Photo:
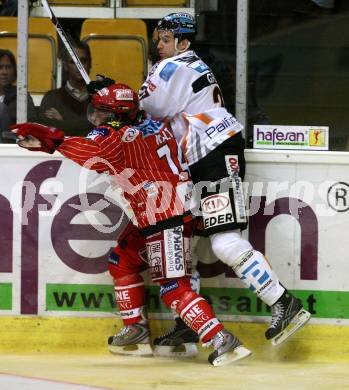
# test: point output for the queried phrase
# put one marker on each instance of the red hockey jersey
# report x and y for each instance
(146, 163)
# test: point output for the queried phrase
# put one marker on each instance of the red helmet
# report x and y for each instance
(117, 98)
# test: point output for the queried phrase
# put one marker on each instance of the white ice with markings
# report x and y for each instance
(14, 382)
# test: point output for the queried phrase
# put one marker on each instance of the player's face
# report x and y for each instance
(7, 72)
(97, 117)
(166, 44)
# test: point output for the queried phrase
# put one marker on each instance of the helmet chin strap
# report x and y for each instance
(179, 51)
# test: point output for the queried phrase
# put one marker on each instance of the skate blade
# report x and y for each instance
(132, 350)
(298, 321)
(186, 350)
(237, 354)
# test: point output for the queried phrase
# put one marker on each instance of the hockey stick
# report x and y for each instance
(9, 136)
(66, 42)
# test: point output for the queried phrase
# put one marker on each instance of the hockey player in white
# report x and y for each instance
(182, 88)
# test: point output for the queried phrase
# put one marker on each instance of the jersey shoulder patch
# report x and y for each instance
(199, 66)
(130, 134)
(168, 70)
(150, 127)
(98, 131)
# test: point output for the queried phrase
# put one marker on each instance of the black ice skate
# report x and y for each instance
(227, 349)
(288, 317)
(179, 342)
(131, 340)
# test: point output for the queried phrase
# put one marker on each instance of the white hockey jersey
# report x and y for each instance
(184, 90)
(199, 134)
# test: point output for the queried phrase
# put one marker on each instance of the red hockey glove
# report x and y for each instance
(36, 137)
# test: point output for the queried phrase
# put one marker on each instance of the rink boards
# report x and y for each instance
(54, 243)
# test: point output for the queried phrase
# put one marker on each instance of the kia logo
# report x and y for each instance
(214, 204)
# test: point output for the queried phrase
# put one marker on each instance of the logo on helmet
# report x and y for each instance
(178, 23)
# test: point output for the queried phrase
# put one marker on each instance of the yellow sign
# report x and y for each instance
(316, 137)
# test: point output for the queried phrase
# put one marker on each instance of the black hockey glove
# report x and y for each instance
(98, 84)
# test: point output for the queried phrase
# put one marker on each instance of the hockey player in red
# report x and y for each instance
(143, 157)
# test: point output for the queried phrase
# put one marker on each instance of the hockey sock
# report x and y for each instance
(194, 285)
(191, 307)
(130, 298)
(197, 313)
(255, 272)
(249, 265)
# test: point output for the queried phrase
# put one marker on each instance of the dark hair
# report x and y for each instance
(12, 58)
(76, 45)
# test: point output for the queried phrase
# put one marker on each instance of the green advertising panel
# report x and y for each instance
(225, 301)
(5, 296)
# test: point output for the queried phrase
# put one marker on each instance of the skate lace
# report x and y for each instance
(169, 332)
(124, 331)
(277, 311)
(216, 341)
